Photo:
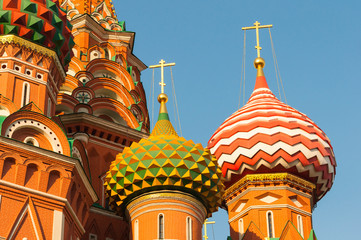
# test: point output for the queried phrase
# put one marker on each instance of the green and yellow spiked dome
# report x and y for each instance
(164, 161)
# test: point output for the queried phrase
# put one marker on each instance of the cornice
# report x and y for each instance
(250, 189)
(110, 126)
(134, 61)
(104, 212)
(268, 178)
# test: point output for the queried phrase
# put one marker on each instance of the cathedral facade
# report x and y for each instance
(78, 159)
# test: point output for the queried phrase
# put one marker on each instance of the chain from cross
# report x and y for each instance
(257, 26)
(161, 65)
(205, 228)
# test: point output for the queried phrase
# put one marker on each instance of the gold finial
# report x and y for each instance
(257, 26)
(205, 228)
(162, 64)
(163, 99)
(259, 65)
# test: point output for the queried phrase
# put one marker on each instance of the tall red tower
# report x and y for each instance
(277, 165)
(70, 100)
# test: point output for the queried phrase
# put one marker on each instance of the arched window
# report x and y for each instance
(26, 94)
(270, 225)
(189, 229)
(300, 224)
(31, 141)
(161, 226)
(136, 230)
(240, 228)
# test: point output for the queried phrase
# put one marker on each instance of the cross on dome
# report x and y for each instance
(161, 65)
(257, 26)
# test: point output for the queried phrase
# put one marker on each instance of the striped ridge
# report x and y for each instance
(268, 136)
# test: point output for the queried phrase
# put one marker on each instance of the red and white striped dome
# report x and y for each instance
(268, 136)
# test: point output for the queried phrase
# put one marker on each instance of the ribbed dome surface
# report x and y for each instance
(40, 21)
(165, 161)
(268, 136)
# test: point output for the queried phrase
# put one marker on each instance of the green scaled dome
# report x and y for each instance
(164, 161)
(40, 21)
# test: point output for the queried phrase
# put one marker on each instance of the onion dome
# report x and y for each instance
(40, 21)
(268, 136)
(164, 161)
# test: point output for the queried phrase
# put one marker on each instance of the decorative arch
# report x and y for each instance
(83, 77)
(59, 169)
(83, 94)
(71, 82)
(102, 66)
(76, 65)
(100, 105)
(137, 112)
(83, 108)
(32, 175)
(62, 109)
(9, 169)
(54, 182)
(114, 86)
(67, 100)
(41, 127)
(6, 106)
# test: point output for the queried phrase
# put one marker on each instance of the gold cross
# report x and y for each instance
(162, 64)
(257, 26)
(205, 228)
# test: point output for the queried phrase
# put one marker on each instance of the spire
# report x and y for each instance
(163, 125)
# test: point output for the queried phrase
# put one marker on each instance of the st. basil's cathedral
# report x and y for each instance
(78, 159)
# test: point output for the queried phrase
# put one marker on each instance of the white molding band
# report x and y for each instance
(269, 207)
(167, 209)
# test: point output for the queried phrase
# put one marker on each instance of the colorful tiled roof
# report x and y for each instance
(268, 136)
(40, 21)
(165, 161)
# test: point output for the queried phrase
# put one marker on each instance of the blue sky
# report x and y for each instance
(318, 47)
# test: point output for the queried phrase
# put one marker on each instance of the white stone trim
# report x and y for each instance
(272, 223)
(25, 94)
(45, 130)
(58, 225)
(300, 225)
(158, 225)
(189, 228)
